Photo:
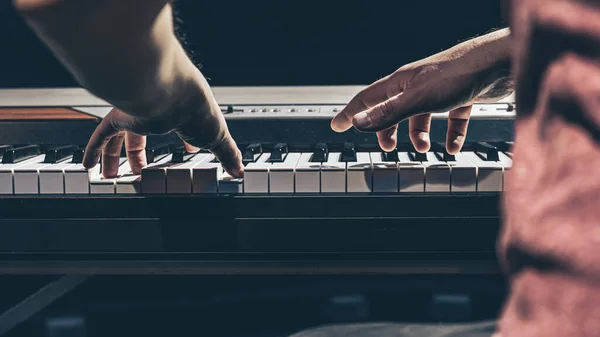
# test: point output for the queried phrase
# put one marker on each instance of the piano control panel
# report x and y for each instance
(316, 111)
(269, 169)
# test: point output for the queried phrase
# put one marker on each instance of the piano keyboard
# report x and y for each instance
(479, 168)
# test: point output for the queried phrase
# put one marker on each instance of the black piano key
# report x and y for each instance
(156, 153)
(320, 153)
(349, 153)
(250, 153)
(488, 151)
(278, 153)
(180, 155)
(390, 156)
(418, 156)
(19, 154)
(440, 150)
(3, 148)
(412, 152)
(78, 156)
(504, 146)
(59, 153)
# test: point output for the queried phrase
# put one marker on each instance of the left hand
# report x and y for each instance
(108, 140)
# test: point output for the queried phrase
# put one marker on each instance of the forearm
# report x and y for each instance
(124, 51)
(485, 61)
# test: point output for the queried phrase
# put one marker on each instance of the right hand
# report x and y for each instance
(199, 122)
(450, 81)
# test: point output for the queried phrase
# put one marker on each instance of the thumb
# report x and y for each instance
(386, 114)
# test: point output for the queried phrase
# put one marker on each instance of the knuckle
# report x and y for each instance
(206, 133)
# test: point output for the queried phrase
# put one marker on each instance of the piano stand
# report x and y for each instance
(38, 301)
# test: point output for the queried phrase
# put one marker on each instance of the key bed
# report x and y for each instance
(282, 170)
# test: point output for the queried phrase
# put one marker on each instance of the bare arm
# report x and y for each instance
(475, 71)
(126, 52)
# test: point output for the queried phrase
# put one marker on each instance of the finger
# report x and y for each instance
(229, 156)
(388, 113)
(552, 29)
(115, 122)
(190, 148)
(419, 127)
(374, 94)
(388, 138)
(111, 156)
(458, 122)
(135, 145)
(209, 131)
(213, 135)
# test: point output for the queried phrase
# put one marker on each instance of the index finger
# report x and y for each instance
(380, 91)
(209, 131)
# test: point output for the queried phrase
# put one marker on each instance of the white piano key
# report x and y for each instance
(507, 162)
(205, 176)
(333, 174)
(26, 178)
(281, 175)
(7, 173)
(489, 173)
(101, 185)
(179, 176)
(359, 174)
(229, 184)
(385, 174)
(308, 175)
(130, 183)
(411, 174)
(437, 174)
(52, 178)
(154, 178)
(464, 174)
(256, 175)
(77, 178)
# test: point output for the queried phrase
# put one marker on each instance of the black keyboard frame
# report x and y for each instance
(405, 233)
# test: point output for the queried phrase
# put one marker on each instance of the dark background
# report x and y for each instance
(330, 42)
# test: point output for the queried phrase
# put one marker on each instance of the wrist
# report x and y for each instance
(175, 85)
(495, 77)
(487, 60)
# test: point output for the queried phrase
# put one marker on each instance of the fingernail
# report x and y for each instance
(424, 136)
(362, 120)
(338, 123)
(459, 140)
